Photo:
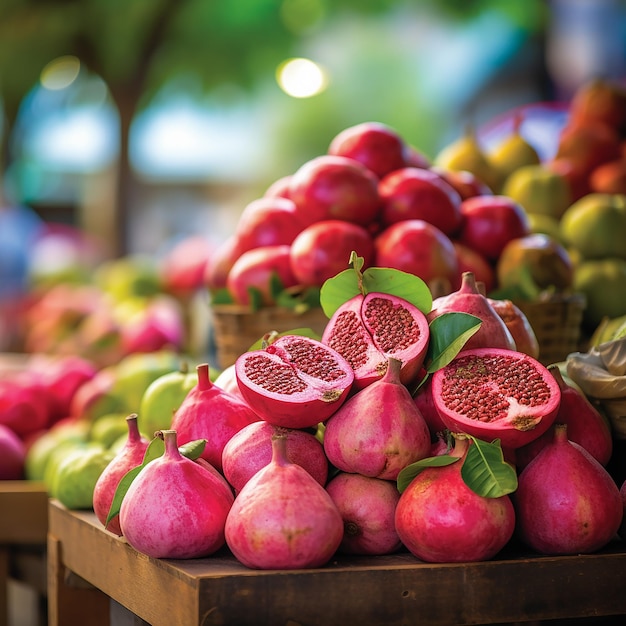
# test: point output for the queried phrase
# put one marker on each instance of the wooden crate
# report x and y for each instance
(23, 534)
(90, 567)
(557, 322)
(237, 328)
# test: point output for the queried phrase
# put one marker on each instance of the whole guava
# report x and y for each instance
(76, 476)
(603, 282)
(595, 225)
(162, 398)
(107, 429)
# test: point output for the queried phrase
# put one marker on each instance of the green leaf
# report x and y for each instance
(276, 286)
(154, 450)
(521, 286)
(401, 284)
(256, 298)
(351, 282)
(337, 290)
(192, 450)
(448, 334)
(299, 300)
(408, 473)
(222, 296)
(486, 472)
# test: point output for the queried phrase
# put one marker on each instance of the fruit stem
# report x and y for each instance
(279, 447)
(171, 444)
(204, 382)
(133, 428)
(392, 375)
(556, 372)
(560, 432)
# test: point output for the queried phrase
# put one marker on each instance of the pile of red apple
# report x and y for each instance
(376, 194)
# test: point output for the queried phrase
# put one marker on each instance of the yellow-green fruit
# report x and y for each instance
(539, 256)
(44, 447)
(162, 397)
(513, 153)
(539, 190)
(545, 225)
(466, 154)
(608, 330)
(135, 372)
(77, 474)
(596, 226)
(60, 453)
(604, 284)
(108, 429)
(128, 276)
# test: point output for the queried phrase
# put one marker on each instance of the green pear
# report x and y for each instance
(76, 476)
(163, 397)
(513, 152)
(466, 154)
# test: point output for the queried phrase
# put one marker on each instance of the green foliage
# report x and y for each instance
(486, 472)
(351, 282)
(484, 469)
(448, 334)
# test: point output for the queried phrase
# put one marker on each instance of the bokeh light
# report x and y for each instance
(301, 78)
(60, 73)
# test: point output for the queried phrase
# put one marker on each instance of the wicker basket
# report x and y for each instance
(557, 324)
(236, 328)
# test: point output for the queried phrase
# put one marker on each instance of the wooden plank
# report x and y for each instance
(72, 605)
(4, 586)
(24, 512)
(145, 586)
(390, 590)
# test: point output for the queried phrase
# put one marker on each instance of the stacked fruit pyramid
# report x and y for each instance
(417, 418)
(530, 230)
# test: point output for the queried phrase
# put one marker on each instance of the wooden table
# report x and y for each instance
(23, 533)
(85, 561)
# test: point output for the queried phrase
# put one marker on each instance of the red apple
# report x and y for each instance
(416, 158)
(323, 249)
(220, 262)
(419, 248)
(183, 267)
(158, 326)
(62, 376)
(279, 188)
(472, 261)
(254, 269)
(377, 146)
(268, 222)
(333, 187)
(412, 193)
(24, 403)
(466, 183)
(490, 222)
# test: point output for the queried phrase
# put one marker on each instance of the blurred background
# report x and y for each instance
(140, 122)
